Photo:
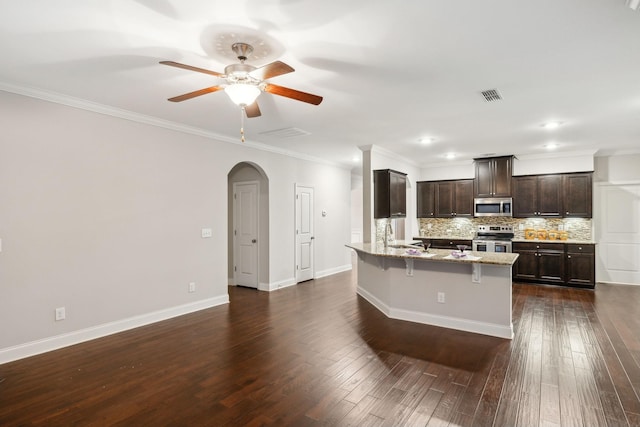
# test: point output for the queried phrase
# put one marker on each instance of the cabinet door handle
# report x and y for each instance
(567, 213)
(568, 256)
(580, 248)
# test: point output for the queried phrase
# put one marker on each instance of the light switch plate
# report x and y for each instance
(206, 233)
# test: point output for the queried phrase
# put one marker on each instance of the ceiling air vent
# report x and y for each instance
(491, 95)
(285, 133)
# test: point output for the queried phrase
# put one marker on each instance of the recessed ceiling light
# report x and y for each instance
(551, 125)
(356, 159)
(450, 155)
(551, 146)
(426, 140)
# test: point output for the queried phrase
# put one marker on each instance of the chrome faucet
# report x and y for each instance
(388, 232)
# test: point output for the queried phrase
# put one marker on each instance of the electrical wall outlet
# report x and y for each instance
(441, 297)
(60, 313)
(206, 233)
(192, 287)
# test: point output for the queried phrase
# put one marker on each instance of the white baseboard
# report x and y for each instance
(277, 285)
(44, 345)
(331, 271)
(617, 283)
(292, 280)
(437, 320)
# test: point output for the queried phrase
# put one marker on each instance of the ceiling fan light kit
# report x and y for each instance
(242, 94)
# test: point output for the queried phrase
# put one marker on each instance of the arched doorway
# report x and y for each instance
(248, 226)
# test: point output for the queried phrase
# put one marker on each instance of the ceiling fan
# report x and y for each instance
(244, 82)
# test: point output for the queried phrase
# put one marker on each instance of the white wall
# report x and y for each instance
(356, 208)
(103, 216)
(617, 218)
(553, 163)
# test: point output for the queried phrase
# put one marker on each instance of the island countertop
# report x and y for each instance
(443, 255)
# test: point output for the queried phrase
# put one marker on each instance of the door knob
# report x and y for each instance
(253, 240)
(312, 237)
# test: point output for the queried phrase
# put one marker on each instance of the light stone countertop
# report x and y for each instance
(442, 255)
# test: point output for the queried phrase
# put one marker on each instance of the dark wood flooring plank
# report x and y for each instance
(319, 355)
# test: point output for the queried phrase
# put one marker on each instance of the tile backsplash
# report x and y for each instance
(465, 228)
(578, 228)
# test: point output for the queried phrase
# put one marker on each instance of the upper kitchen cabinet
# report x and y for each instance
(390, 194)
(454, 198)
(537, 196)
(426, 192)
(577, 195)
(558, 195)
(493, 177)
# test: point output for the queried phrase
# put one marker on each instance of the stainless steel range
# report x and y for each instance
(493, 238)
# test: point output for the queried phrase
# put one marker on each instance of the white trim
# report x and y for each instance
(95, 107)
(332, 271)
(44, 345)
(277, 285)
(436, 320)
(388, 153)
(618, 283)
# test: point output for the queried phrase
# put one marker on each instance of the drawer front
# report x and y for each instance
(449, 244)
(581, 249)
(537, 246)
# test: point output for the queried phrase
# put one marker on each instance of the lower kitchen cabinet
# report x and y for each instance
(540, 262)
(581, 265)
(555, 263)
(449, 243)
(444, 243)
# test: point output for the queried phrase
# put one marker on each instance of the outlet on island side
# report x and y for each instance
(60, 313)
(192, 287)
(441, 297)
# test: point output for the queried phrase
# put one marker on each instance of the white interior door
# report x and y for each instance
(617, 222)
(304, 233)
(245, 230)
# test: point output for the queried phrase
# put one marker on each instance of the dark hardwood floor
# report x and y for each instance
(317, 354)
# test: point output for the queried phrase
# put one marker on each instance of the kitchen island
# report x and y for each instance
(470, 293)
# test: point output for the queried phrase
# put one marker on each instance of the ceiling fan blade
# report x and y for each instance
(252, 110)
(189, 67)
(193, 94)
(273, 69)
(293, 94)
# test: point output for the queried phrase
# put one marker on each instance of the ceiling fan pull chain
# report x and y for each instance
(242, 124)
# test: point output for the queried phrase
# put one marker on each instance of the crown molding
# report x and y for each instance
(377, 149)
(107, 110)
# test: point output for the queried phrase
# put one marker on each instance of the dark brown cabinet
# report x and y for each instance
(390, 194)
(540, 262)
(493, 177)
(426, 192)
(449, 243)
(444, 243)
(537, 196)
(580, 265)
(557, 195)
(577, 195)
(555, 263)
(454, 198)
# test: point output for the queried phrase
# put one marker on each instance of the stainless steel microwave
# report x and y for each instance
(493, 206)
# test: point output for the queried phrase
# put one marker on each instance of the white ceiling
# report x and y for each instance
(390, 72)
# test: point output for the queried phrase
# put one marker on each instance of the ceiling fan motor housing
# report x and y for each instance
(240, 73)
